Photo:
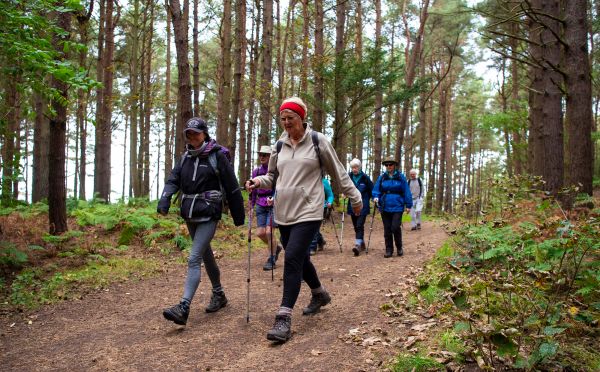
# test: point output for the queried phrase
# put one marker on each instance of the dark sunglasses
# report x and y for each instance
(263, 155)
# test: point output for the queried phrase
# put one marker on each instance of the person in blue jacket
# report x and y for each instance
(392, 195)
(319, 242)
(364, 184)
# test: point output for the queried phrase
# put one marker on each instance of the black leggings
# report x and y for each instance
(392, 231)
(359, 226)
(296, 239)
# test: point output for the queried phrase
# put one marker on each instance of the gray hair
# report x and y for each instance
(414, 171)
(355, 163)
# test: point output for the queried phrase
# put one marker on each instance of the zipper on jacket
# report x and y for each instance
(195, 170)
(193, 201)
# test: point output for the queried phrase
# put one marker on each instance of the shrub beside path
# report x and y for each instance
(122, 328)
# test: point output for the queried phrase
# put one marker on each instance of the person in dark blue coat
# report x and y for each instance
(392, 195)
(364, 184)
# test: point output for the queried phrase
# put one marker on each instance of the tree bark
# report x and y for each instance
(339, 127)
(11, 136)
(264, 137)
(102, 173)
(57, 193)
(378, 119)
(412, 58)
(579, 98)
(224, 87)
(196, 67)
(237, 109)
(168, 134)
(179, 18)
(318, 66)
(549, 151)
(305, 46)
(41, 133)
(254, 61)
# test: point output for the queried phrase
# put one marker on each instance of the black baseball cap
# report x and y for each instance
(196, 125)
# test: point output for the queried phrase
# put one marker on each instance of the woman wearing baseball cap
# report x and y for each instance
(205, 176)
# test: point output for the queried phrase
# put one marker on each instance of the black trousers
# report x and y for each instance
(359, 226)
(296, 239)
(392, 231)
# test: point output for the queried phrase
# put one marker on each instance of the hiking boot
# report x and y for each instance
(269, 265)
(282, 329)
(316, 301)
(400, 252)
(414, 228)
(387, 255)
(277, 251)
(321, 245)
(356, 250)
(418, 226)
(217, 301)
(363, 246)
(178, 314)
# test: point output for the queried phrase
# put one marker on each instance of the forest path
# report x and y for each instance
(122, 328)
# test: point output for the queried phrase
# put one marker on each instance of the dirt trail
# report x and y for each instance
(122, 328)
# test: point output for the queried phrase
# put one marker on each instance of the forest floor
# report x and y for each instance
(122, 328)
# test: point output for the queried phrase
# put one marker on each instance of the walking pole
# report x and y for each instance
(335, 230)
(271, 246)
(249, 251)
(343, 216)
(371, 228)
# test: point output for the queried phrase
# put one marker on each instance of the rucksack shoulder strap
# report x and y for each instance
(314, 135)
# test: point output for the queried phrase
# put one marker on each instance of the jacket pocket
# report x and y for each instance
(291, 203)
(197, 207)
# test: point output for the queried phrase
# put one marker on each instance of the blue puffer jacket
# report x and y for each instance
(365, 186)
(393, 192)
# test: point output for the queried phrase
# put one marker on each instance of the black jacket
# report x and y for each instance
(196, 204)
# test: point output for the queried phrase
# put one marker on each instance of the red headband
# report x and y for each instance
(294, 107)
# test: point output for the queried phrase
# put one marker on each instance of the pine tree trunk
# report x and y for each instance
(579, 98)
(237, 109)
(41, 133)
(412, 58)
(339, 130)
(148, 94)
(168, 134)
(102, 171)
(449, 128)
(377, 122)
(196, 67)
(318, 66)
(179, 18)
(57, 207)
(264, 137)
(305, 46)
(549, 155)
(518, 156)
(10, 136)
(358, 116)
(443, 117)
(224, 88)
(253, 85)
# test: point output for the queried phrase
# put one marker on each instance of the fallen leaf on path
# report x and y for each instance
(353, 331)
(316, 352)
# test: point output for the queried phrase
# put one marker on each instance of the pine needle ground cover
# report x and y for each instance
(106, 243)
(518, 289)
